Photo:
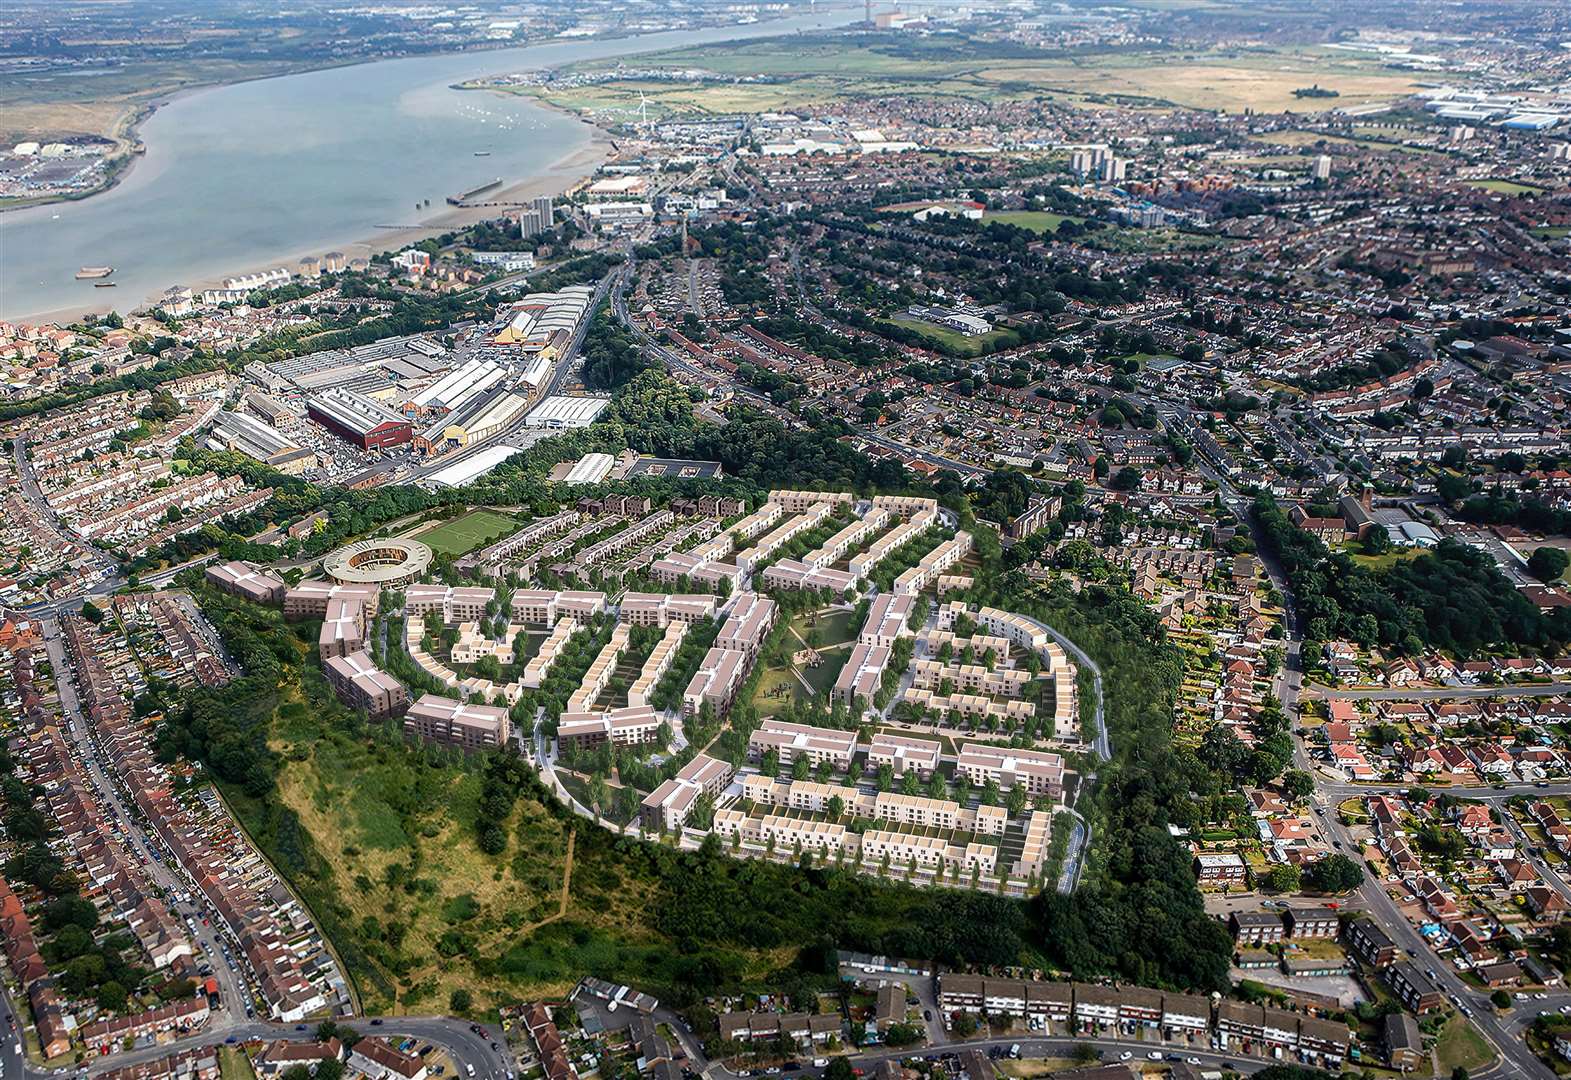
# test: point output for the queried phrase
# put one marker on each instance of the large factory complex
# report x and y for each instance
(428, 397)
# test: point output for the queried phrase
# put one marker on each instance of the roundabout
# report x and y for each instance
(388, 562)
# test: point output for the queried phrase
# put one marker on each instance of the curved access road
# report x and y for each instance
(1101, 745)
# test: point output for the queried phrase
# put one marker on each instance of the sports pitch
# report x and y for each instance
(465, 533)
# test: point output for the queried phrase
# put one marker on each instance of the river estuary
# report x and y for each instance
(242, 177)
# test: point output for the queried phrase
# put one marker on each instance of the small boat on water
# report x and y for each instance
(104, 284)
(87, 273)
(482, 153)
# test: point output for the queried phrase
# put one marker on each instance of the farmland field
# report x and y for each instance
(803, 70)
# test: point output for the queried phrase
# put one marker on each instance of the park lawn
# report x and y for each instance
(953, 340)
(824, 675)
(1388, 560)
(1161, 239)
(768, 698)
(1551, 232)
(1506, 187)
(1460, 1045)
(468, 531)
(1038, 221)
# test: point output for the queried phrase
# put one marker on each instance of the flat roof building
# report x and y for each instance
(1041, 772)
(719, 676)
(309, 599)
(343, 628)
(634, 725)
(667, 806)
(902, 753)
(863, 674)
(747, 624)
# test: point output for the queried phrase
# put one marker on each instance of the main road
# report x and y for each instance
(143, 848)
(1516, 1060)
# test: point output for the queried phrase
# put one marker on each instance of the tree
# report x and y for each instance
(1548, 563)
(111, 996)
(1335, 873)
(886, 777)
(1298, 784)
(460, 1001)
(1126, 479)
(1017, 800)
(1500, 999)
(1085, 1053)
(839, 1068)
(1283, 877)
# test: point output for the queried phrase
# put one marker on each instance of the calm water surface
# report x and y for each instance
(240, 177)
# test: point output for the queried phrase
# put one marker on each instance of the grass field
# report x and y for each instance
(1038, 221)
(395, 860)
(1460, 1045)
(806, 69)
(825, 631)
(954, 340)
(1298, 138)
(466, 533)
(1506, 187)
(233, 1065)
(1551, 232)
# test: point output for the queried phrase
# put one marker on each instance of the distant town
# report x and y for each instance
(985, 543)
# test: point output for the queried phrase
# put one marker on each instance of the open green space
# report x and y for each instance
(824, 630)
(1038, 221)
(1551, 232)
(234, 1065)
(807, 68)
(1506, 187)
(1461, 1046)
(954, 341)
(467, 532)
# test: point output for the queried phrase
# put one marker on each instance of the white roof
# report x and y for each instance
(461, 384)
(561, 411)
(590, 469)
(475, 465)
